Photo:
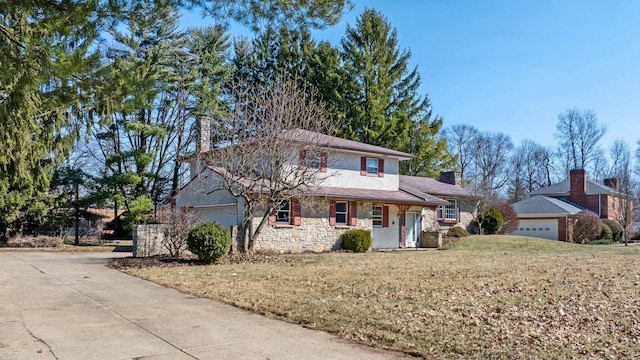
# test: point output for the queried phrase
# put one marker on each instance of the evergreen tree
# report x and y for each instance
(47, 61)
(381, 102)
(157, 81)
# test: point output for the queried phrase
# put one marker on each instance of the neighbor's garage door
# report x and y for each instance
(224, 215)
(546, 229)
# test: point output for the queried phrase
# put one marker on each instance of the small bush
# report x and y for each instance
(587, 227)
(606, 233)
(616, 229)
(457, 232)
(600, 242)
(491, 221)
(636, 236)
(209, 241)
(356, 240)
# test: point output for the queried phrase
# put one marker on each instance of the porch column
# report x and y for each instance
(403, 225)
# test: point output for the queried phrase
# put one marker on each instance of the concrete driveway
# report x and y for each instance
(70, 306)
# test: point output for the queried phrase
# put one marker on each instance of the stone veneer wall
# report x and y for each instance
(314, 234)
(147, 240)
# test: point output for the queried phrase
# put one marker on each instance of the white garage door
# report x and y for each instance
(224, 215)
(546, 229)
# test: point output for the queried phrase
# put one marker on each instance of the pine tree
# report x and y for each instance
(47, 62)
(382, 104)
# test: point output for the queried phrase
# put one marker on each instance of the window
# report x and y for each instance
(283, 213)
(377, 216)
(448, 212)
(342, 213)
(372, 166)
(313, 159)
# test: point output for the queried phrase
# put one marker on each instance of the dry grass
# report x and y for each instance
(488, 297)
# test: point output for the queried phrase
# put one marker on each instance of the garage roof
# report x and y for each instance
(540, 205)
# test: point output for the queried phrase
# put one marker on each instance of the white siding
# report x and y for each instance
(204, 190)
(344, 171)
(389, 237)
(224, 215)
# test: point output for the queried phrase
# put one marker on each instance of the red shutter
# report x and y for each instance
(303, 159)
(332, 213)
(353, 213)
(296, 218)
(323, 162)
(385, 216)
(380, 167)
(363, 166)
(272, 217)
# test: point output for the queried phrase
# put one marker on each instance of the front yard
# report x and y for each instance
(488, 297)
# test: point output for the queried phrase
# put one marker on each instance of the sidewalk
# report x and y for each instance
(70, 306)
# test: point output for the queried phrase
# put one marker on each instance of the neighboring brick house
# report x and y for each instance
(364, 190)
(566, 198)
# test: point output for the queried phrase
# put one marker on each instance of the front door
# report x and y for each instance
(412, 223)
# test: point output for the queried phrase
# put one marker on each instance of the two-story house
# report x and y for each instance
(361, 188)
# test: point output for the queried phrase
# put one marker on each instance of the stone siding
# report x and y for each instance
(313, 235)
(147, 240)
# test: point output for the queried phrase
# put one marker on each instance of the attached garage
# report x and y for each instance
(225, 215)
(544, 217)
(542, 228)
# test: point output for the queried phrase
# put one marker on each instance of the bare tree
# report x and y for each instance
(462, 144)
(531, 168)
(622, 171)
(270, 150)
(492, 152)
(578, 133)
(180, 222)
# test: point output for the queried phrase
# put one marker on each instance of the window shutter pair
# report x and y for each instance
(353, 213)
(303, 160)
(295, 213)
(363, 166)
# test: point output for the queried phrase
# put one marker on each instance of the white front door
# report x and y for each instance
(412, 223)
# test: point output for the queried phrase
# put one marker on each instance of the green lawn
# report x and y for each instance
(488, 297)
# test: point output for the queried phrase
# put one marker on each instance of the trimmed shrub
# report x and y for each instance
(457, 232)
(606, 233)
(209, 241)
(636, 236)
(616, 229)
(587, 227)
(356, 240)
(491, 221)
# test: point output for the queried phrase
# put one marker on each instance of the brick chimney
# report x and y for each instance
(578, 186)
(451, 177)
(612, 183)
(204, 134)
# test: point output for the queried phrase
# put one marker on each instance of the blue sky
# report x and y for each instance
(514, 66)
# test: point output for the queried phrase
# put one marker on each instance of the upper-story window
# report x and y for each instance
(448, 212)
(372, 166)
(313, 159)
